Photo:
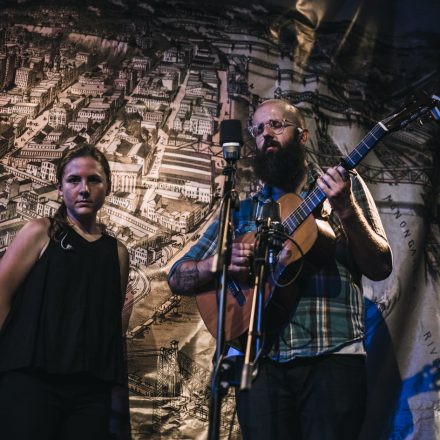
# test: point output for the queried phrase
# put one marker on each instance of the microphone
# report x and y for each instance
(269, 215)
(269, 210)
(231, 139)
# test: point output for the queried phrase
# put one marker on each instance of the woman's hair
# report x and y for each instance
(58, 223)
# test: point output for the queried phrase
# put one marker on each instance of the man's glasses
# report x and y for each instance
(275, 125)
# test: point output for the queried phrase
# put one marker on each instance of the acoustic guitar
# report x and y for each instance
(305, 230)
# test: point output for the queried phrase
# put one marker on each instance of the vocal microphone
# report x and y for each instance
(231, 139)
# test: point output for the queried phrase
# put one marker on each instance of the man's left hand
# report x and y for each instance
(336, 185)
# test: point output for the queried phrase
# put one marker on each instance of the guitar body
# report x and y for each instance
(279, 301)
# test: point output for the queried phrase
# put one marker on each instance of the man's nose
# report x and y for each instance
(267, 134)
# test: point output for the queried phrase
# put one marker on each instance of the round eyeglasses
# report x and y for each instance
(275, 125)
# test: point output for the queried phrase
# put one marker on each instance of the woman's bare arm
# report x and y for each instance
(18, 260)
(124, 266)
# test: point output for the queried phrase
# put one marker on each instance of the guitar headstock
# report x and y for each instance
(423, 107)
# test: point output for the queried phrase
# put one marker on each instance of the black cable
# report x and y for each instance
(287, 237)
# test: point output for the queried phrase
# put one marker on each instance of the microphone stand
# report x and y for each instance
(255, 335)
(221, 261)
(269, 241)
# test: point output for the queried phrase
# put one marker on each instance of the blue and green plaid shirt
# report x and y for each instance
(330, 311)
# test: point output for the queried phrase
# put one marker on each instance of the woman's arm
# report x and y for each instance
(124, 266)
(18, 260)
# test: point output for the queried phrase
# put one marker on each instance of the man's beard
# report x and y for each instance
(283, 167)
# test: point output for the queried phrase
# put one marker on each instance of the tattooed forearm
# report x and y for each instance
(185, 280)
(189, 276)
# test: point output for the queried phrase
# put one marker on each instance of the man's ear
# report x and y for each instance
(303, 135)
(60, 191)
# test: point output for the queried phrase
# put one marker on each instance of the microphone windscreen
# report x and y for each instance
(230, 131)
(269, 209)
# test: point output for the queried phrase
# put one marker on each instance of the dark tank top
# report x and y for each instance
(66, 315)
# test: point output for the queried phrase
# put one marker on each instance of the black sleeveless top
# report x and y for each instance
(66, 316)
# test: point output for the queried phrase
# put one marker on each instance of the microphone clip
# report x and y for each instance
(270, 230)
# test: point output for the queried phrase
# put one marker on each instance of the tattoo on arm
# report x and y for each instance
(185, 279)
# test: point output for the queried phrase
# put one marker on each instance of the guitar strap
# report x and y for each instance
(256, 203)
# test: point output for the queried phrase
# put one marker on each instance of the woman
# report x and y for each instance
(62, 282)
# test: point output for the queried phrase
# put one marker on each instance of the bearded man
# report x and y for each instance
(311, 382)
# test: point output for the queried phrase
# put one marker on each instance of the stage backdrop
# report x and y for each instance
(148, 83)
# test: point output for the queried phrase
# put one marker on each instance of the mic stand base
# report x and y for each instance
(220, 386)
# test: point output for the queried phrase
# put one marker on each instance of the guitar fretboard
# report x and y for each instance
(317, 196)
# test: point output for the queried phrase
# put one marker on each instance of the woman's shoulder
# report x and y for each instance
(24, 251)
(36, 229)
(36, 234)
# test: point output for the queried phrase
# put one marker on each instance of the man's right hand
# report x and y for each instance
(241, 258)
(191, 275)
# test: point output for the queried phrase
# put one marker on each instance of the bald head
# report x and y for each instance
(284, 108)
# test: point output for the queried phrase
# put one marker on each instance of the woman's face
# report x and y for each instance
(84, 187)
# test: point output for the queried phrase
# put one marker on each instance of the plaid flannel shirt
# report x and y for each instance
(330, 311)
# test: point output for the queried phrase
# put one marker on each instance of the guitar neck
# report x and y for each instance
(317, 196)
